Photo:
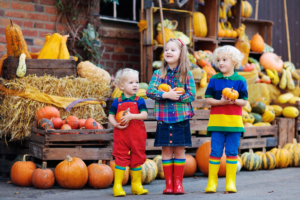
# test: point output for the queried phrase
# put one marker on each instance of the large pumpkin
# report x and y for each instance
(100, 175)
(73, 122)
(257, 43)
(268, 160)
(112, 165)
(160, 169)
(43, 178)
(149, 171)
(15, 42)
(271, 61)
(282, 157)
(72, 173)
(251, 161)
(21, 172)
(202, 157)
(200, 26)
(44, 122)
(46, 112)
(294, 152)
(168, 35)
(190, 166)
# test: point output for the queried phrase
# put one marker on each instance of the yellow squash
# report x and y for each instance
(51, 49)
(63, 49)
(142, 93)
(277, 110)
(284, 98)
(200, 26)
(268, 116)
(168, 35)
(290, 112)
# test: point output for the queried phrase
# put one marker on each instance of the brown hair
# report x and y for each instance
(184, 63)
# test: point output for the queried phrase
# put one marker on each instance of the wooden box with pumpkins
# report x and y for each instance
(53, 138)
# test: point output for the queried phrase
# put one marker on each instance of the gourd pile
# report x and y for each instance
(260, 113)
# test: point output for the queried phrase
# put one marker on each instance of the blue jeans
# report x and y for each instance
(230, 140)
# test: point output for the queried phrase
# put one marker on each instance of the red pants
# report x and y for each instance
(130, 143)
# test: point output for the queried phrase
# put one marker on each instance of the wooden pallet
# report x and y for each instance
(45, 146)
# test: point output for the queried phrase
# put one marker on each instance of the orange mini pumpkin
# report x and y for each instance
(257, 43)
(164, 87)
(43, 178)
(73, 122)
(100, 175)
(230, 93)
(180, 90)
(21, 172)
(120, 115)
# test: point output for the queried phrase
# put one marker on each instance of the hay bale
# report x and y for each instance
(18, 113)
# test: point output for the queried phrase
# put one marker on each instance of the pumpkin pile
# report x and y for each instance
(50, 117)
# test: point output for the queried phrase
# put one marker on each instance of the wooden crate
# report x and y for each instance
(45, 146)
(54, 67)
(254, 137)
(286, 128)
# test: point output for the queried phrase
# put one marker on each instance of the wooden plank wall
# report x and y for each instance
(274, 10)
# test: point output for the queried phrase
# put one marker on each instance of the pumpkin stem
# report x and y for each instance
(264, 150)
(99, 162)
(24, 157)
(11, 23)
(69, 159)
(124, 113)
(44, 165)
(294, 141)
(251, 151)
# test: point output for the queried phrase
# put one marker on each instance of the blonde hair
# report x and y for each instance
(122, 74)
(184, 64)
(231, 52)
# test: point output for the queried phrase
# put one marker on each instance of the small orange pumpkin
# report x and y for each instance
(73, 122)
(230, 93)
(43, 178)
(120, 115)
(228, 33)
(82, 123)
(257, 43)
(57, 122)
(71, 173)
(221, 33)
(100, 175)
(90, 123)
(164, 87)
(21, 172)
(180, 90)
(66, 127)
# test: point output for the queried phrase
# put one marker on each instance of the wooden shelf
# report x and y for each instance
(253, 52)
(204, 39)
(227, 40)
(257, 21)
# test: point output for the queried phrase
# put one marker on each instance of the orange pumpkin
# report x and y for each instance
(230, 93)
(21, 172)
(180, 90)
(15, 42)
(234, 34)
(90, 123)
(1, 62)
(66, 127)
(202, 157)
(112, 165)
(271, 61)
(257, 43)
(71, 173)
(228, 33)
(57, 122)
(46, 112)
(190, 166)
(100, 175)
(73, 122)
(210, 71)
(81, 123)
(164, 87)
(43, 178)
(120, 115)
(221, 33)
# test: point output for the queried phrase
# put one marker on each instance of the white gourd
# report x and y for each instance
(21, 71)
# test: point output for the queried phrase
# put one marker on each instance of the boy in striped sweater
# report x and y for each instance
(225, 122)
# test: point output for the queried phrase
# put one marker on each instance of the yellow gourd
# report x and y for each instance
(290, 81)
(116, 93)
(277, 110)
(51, 49)
(290, 112)
(203, 81)
(200, 26)
(63, 50)
(246, 9)
(142, 93)
(168, 35)
(47, 37)
(283, 81)
(294, 100)
(284, 98)
(268, 116)
(247, 107)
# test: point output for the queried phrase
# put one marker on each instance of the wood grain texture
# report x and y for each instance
(286, 131)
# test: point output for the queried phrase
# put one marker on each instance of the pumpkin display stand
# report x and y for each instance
(54, 67)
(82, 143)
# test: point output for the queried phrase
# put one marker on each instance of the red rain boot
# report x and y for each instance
(168, 171)
(178, 178)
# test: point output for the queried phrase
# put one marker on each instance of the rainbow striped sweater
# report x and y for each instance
(227, 118)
